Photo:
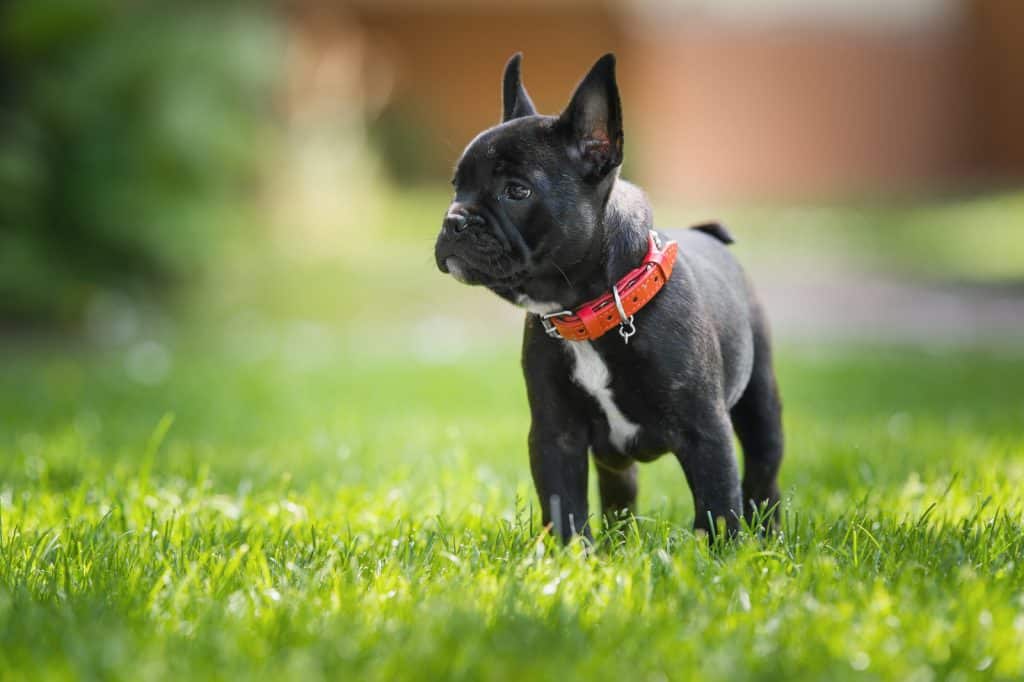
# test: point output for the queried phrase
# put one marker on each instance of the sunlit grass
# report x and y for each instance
(373, 517)
(318, 471)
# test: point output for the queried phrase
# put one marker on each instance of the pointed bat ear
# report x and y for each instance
(593, 121)
(515, 102)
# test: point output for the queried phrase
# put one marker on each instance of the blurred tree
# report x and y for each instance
(130, 134)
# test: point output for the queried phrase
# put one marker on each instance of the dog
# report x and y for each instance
(541, 218)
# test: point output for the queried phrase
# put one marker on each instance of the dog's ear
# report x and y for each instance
(515, 102)
(593, 121)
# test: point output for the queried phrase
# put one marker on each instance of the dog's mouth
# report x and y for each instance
(457, 268)
(468, 269)
(465, 273)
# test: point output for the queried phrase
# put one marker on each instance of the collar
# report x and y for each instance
(617, 307)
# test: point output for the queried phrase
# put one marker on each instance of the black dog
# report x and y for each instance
(542, 219)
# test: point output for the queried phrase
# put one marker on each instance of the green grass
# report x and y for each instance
(372, 517)
(295, 480)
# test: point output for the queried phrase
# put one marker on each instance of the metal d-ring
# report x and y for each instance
(626, 326)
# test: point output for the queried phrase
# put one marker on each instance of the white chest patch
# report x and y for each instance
(592, 375)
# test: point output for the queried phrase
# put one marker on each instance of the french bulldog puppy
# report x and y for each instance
(541, 218)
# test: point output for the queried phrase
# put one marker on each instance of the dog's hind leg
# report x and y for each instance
(709, 463)
(757, 420)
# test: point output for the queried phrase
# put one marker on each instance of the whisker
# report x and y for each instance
(562, 273)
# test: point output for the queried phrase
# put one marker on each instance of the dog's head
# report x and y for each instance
(530, 192)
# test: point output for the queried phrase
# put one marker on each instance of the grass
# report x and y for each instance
(373, 518)
(298, 484)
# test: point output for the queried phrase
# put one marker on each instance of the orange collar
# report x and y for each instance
(617, 307)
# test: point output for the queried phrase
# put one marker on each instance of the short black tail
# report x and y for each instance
(716, 230)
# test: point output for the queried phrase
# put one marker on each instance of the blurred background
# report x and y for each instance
(222, 327)
(223, 334)
(250, 168)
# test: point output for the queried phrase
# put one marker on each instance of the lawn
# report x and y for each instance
(308, 497)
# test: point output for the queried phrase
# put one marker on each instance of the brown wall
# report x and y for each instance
(449, 63)
(997, 58)
(713, 110)
(800, 112)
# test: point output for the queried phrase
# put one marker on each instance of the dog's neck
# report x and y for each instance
(628, 219)
(618, 246)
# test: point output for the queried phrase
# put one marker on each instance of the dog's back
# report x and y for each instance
(724, 295)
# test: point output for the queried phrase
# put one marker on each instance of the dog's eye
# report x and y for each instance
(516, 192)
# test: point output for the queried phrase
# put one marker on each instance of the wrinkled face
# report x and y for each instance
(520, 208)
(529, 192)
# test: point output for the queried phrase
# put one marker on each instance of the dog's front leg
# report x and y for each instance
(558, 461)
(559, 434)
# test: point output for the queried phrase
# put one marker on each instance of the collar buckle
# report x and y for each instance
(549, 328)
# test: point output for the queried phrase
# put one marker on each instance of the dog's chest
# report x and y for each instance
(591, 373)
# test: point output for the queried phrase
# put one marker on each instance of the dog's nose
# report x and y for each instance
(458, 219)
(455, 222)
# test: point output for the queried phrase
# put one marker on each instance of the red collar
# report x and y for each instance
(617, 307)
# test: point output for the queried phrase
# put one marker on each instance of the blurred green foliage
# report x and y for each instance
(409, 152)
(130, 136)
